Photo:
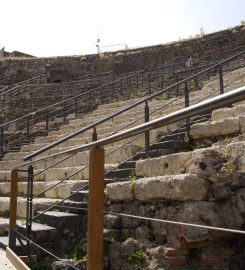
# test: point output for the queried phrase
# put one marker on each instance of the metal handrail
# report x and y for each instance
(202, 107)
(19, 83)
(44, 149)
(62, 102)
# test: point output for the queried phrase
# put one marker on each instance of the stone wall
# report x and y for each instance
(69, 68)
(208, 190)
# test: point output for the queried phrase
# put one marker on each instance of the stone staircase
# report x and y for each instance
(204, 186)
(59, 226)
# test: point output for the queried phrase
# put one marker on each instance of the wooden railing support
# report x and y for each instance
(13, 209)
(95, 208)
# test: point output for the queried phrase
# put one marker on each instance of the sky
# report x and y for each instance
(71, 27)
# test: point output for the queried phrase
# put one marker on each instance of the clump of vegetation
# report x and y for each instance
(40, 264)
(137, 258)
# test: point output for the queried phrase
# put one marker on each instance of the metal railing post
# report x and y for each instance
(187, 104)
(13, 208)
(221, 82)
(94, 135)
(147, 134)
(1, 142)
(29, 206)
(137, 80)
(95, 209)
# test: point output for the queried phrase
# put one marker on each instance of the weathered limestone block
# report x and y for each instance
(216, 128)
(239, 110)
(164, 165)
(182, 187)
(242, 123)
(159, 229)
(122, 154)
(222, 114)
(122, 191)
(218, 163)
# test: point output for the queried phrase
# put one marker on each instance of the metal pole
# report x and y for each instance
(29, 207)
(94, 135)
(187, 104)
(147, 134)
(221, 82)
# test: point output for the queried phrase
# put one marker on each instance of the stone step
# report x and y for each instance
(60, 191)
(170, 144)
(182, 187)
(41, 233)
(127, 165)
(222, 114)
(39, 204)
(121, 173)
(60, 219)
(21, 246)
(80, 196)
(228, 126)
(153, 153)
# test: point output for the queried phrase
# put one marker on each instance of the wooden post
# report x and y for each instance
(95, 208)
(13, 208)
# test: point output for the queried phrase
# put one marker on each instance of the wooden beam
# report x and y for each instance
(15, 260)
(95, 206)
(13, 208)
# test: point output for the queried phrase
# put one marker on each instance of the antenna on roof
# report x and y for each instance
(98, 43)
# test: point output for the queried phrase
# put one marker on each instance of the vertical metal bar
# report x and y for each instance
(28, 128)
(95, 208)
(94, 135)
(221, 82)
(137, 79)
(187, 104)
(13, 209)
(1, 142)
(147, 133)
(29, 206)
(47, 120)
